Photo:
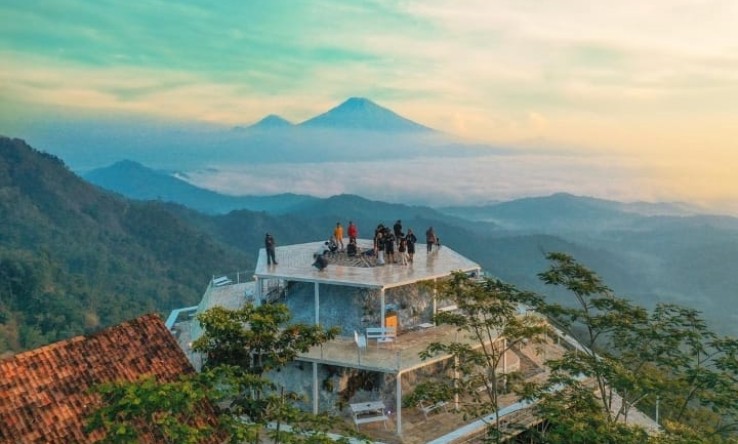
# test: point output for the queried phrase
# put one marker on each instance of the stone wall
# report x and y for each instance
(340, 386)
(354, 308)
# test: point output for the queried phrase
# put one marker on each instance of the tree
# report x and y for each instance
(250, 342)
(631, 357)
(169, 412)
(488, 312)
(699, 386)
(240, 346)
(256, 339)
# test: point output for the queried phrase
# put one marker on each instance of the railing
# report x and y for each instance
(400, 355)
(217, 282)
(174, 315)
(236, 277)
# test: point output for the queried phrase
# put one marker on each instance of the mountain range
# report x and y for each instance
(135, 181)
(75, 257)
(355, 130)
(564, 212)
(652, 252)
(355, 113)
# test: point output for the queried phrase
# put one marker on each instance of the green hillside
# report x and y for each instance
(74, 258)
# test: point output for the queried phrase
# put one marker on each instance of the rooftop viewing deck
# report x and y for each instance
(295, 263)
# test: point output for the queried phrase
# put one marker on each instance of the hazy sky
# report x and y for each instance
(652, 82)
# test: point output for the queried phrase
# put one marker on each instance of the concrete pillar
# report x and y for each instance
(257, 291)
(317, 303)
(398, 403)
(315, 389)
(382, 308)
(456, 383)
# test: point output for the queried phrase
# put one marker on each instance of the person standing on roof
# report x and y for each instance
(270, 244)
(402, 250)
(430, 238)
(389, 246)
(397, 228)
(338, 235)
(353, 231)
(378, 232)
(410, 239)
(379, 245)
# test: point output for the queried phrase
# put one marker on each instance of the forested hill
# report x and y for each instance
(74, 258)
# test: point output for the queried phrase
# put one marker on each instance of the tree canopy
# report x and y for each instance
(239, 347)
(667, 357)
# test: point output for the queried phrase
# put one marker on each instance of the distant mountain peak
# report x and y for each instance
(127, 163)
(357, 102)
(360, 113)
(271, 121)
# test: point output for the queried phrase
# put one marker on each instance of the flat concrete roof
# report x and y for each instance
(295, 264)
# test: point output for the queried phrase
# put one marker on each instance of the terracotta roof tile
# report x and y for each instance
(44, 392)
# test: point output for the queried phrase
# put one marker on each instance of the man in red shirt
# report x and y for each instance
(353, 232)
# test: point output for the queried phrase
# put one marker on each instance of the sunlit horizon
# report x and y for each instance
(645, 89)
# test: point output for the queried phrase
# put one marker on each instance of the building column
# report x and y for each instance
(398, 403)
(435, 298)
(456, 383)
(317, 303)
(382, 308)
(257, 291)
(315, 388)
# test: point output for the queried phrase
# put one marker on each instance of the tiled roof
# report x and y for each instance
(44, 396)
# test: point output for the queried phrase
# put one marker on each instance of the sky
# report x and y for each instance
(651, 87)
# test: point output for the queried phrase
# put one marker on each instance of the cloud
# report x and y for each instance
(431, 181)
(488, 178)
(489, 61)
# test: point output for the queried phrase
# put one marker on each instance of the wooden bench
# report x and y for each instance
(221, 281)
(427, 407)
(366, 412)
(382, 335)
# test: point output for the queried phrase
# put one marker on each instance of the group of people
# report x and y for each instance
(335, 244)
(387, 242)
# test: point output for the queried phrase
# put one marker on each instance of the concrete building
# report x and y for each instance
(365, 365)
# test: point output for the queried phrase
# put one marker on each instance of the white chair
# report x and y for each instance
(426, 407)
(360, 340)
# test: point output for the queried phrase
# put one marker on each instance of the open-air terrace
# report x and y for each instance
(403, 354)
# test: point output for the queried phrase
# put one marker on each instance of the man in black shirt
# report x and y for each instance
(269, 243)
